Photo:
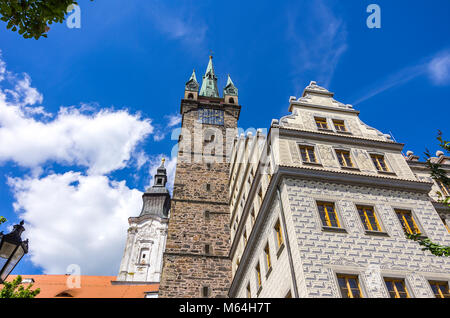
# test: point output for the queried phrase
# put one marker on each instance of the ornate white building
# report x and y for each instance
(320, 208)
(142, 258)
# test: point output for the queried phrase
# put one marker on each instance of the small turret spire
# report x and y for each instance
(192, 84)
(209, 84)
(230, 89)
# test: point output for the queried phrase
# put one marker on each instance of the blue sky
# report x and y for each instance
(90, 111)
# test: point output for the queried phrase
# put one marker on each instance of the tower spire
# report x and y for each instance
(209, 84)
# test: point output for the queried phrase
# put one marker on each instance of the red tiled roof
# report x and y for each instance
(52, 286)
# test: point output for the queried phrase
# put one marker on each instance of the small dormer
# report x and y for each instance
(191, 89)
(230, 92)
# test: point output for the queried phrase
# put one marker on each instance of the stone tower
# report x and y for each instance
(142, 258)
(196, 260)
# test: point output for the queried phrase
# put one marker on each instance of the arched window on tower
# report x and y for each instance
(190, 96)
(231, 100)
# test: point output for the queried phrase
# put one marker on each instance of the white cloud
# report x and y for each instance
(436, 67)
(439, 69)
(75, 219)
(180, 24)
(174, 120)
(319, 38)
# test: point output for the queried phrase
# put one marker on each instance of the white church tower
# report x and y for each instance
(142, 258)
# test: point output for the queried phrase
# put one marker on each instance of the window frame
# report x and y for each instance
(340, 223)
(346, 276)
(443, 188)
(353, 162)
(267, 259)
(378, 221)
(314, 149)
(344, 123)
(396, 279)
(317, 120)
(390, 170)
(414, 219)
(439, 282)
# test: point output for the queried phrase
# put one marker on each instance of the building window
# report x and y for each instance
(207, 249)
(267, 257)
(445, 189)
(344, 158)
(252, 216)
(328, 214)
(208, 187)
(308, 154)
(143, 259)
(207, 215)
(339, 125)
(321, 123)
(258, 275)
(231, 100)
(349, 285)
(205, 291)
(407, 220)
(445, 223)
(278, 234)
(190, 96)
(440, 289)
(380, 163)
(396, 288)
(368, 218)
(249, 293)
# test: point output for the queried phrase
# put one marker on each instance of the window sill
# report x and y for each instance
(389, 173)
(334, 229)
(350, 168)
(280, 250)
(316, 164)
(376, 233)
(344, 132)
(268, 272)
(325, 130)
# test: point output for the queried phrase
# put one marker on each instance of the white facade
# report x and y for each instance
(287, 190)
(142, 259)
(146, 241)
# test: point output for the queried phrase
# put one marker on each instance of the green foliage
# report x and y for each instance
(436, 171)
(427, 244)
(32, 17)
(15, 289)
(2, 220)
(440, 175)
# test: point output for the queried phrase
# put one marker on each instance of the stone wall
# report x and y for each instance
(196, 257)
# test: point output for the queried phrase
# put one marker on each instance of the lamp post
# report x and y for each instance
(12, 249)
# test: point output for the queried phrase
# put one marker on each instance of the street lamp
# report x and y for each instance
(12, 249)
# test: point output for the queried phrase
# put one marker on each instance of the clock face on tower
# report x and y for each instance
(210, 116)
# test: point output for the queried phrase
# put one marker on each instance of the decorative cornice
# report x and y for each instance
(335, 138)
